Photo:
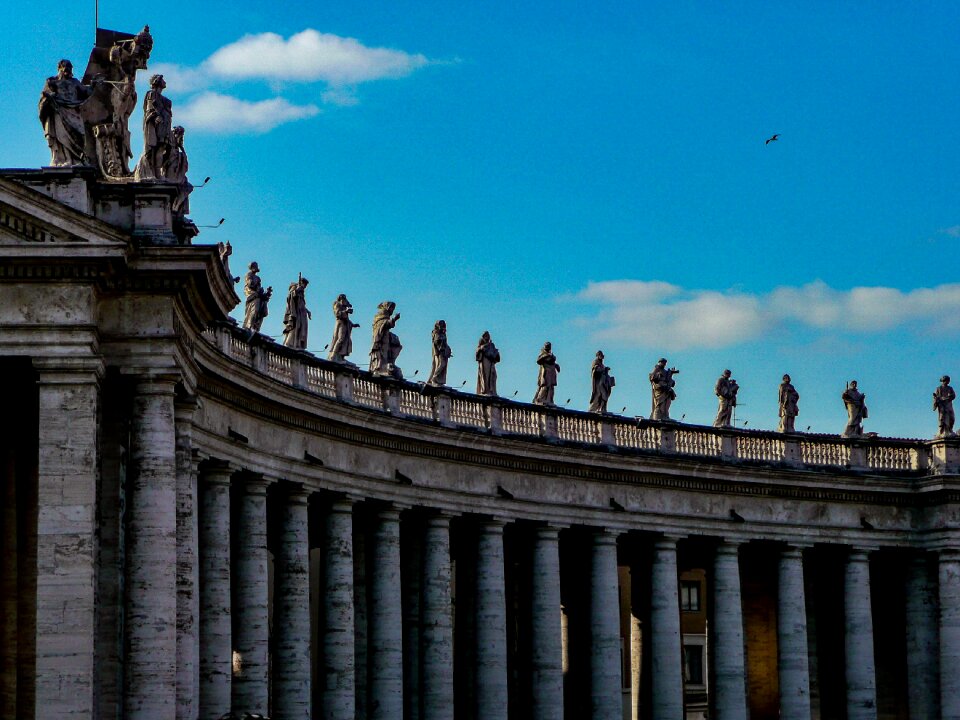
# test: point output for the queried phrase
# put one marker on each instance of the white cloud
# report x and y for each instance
(644, 313)
(224, 114)
(309, 56)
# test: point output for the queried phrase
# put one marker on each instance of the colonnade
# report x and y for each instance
(387, 634)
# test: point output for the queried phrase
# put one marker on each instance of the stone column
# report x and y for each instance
(666, 662)
(728, 657)
(792, 637)
(216, 637)
(150, 667)
(411, 541)
(437, 624)
(950, 634)
(547, 654)
(386, 621)
(188, 571)
(605, 682)
(923, 642)
(491, 624)
(66, 540)
(251, 596)
(291, 619)
(858, 638)
(337, 600)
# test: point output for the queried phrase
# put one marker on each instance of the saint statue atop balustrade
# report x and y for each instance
(789, 408)
(342, 344)
(441, 354)
(546, 376)
(386, 345)
(856, 405)
(255, 309)
(297, 315)
(726, 391)
(662, 387)
(487, 358)
(602, 383)
(943, 398)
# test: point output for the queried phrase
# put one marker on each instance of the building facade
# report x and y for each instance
(196, 520)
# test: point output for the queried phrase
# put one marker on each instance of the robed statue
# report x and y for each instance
(255, 309)
(296, 316)
(487, 358)
(441, 354)
(601, 384)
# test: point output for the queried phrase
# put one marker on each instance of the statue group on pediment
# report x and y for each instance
(86, 122)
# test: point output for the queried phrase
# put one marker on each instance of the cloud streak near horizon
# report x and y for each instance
(641, 313)
(341, 63)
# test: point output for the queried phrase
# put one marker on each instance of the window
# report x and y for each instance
(693, 664)
(690, 596)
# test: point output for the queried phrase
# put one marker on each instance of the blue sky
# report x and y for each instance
(593, 176)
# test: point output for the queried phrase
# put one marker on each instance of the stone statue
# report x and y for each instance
(662, 384)
(789, 397)
(157, 132)
(602, 383)
(386, 346)
(60, 102)
(257, 298)
(296, 316)
(855, 402)
(115, 58)
(943, 398)
(226, 250)
(441, 354)
(547, 376)
(342, 344)
(487, 358)
(175, 170)
(726, 390)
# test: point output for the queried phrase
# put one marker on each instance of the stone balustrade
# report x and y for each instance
(499, 416)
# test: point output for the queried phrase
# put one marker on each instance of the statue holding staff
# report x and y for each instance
(943, 398)
(487, 358)
(342, 344)
(255, 309)
(546, 376)
(726, 390)
(788, 398)
(441, 354)
(59, 109)
(855, 403)
(602, 383)
(661, 385)
(296, 316)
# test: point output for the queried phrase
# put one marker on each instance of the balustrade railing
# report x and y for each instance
(453, 408)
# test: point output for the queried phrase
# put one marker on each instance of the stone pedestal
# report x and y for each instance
(291, 619)
(338, 629)
(251, 597)
(491, 625)
(666, 662)
(216, 636)
(385, 628)
(728, 657)
(547, 645)
(605, 681)
(793, 660)
(437, 622)
(150, 667)
(858, 638)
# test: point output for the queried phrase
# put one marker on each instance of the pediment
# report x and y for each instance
(28, 217)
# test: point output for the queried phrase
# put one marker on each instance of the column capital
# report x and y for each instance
(605, 536)
(214, 471)
(254, 483)
(295, 493)
(439, 520)
(728, 548)
(667, 541)
(860, 553)
(68, 370)
(550, 531)
(494, 524)
(164, 384)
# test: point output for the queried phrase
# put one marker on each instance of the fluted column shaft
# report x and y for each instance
(666, 661)
(605, 683)
(950, 634)
(386, 621)
(188, 572)
(291, 621)
(858, 638)
(491, 625)
(216, 641)
(338, 641)
(728, 656)
(547, 651)
(150, 667)
(923, 642)
(793, 661)
(437, 626)
(251, 593)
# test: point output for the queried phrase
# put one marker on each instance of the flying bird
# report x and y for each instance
(772, 139)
